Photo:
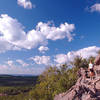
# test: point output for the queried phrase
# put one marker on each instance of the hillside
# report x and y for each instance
(16, 87)
(85, 88)
(10, 80)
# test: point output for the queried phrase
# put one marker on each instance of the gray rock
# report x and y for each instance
(82, 91)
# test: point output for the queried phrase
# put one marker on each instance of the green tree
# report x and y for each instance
(53, 81)
(79, 62)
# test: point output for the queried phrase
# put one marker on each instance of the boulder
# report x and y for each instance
(82, 90)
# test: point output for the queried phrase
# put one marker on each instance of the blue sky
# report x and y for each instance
(37, 33)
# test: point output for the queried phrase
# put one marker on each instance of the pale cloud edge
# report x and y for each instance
(95, 8)
(84, 53)
(27, 4)
(43, 49)
(45, 60)
(10, 67)
(21, 62)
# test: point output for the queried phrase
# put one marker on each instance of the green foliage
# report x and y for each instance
(54, 81)
(16, 87)
(14, 93)
(15, 97)
(79, 62)
(91, 59)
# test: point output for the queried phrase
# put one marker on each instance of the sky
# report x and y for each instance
(36, 34)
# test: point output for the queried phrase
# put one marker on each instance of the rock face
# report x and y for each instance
(85, 88)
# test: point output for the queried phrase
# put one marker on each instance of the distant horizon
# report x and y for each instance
(18, 75)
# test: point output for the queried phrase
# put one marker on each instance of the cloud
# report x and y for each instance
(84, 53)
(13, 36)
(41, 60)
(42, 49)
(5, 69)
(11, 31)
(60, 58)
(10, 63)
(26, 4)
(22, 62)
(95, 7)
(5, 46)
(54, 33)
(87, 52)
(11, 67)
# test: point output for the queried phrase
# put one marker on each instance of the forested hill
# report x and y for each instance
(12, 80)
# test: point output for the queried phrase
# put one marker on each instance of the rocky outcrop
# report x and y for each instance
(85, 88)
(82, 90)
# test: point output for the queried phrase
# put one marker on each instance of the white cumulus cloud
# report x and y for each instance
(13, 36)
(42, 49)
(54, 33)
(10, 63)
(41, 60)
(60, 58)
(22, 62)
(27, 4)
(95, 7)
(84, 53)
